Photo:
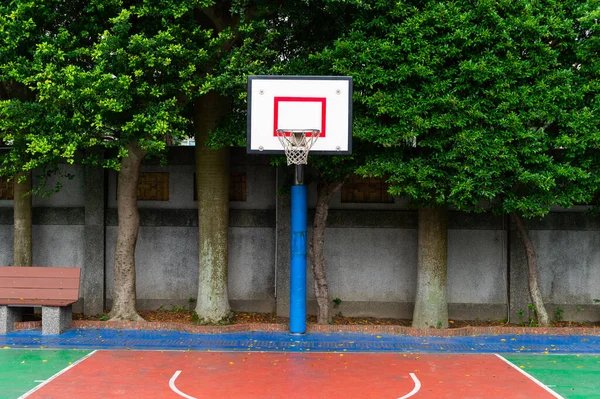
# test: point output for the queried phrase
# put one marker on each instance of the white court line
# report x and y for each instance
(174, 388)
(550, 391)
(178, 392)
(26, 394)
(415, 389)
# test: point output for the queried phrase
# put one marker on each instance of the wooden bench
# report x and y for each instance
(55, 289)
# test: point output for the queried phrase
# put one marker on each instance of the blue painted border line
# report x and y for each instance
(312, 342)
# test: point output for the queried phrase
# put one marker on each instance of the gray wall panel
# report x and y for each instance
(251, 264)
(6, 245)
(569, 265)
(58, 245)
(366, 265)
(166, 263)
(476, 267)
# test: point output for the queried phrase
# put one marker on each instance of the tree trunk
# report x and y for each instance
(534, 290)
(316, 249)
(124, 295)
(22, 221)
(212, 188)
(431, 304)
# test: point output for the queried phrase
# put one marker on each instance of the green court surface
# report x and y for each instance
(571, 376)
(24, 369)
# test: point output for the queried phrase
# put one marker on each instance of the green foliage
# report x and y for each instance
(532, 315)
(277, 40)
(531, 322)
(178, 309)
(488, 92)
(79, 75)
(472, 104)
(559, 313)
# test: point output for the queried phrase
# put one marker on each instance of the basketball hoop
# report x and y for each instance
(297, 143)
(287, 115)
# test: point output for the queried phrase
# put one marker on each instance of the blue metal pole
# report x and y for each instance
(298, 256)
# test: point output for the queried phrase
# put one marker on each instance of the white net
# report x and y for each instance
(297, 143)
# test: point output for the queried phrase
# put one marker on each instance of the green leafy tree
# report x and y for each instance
(485, 94)
(119, 77)
(555, 161)
(12, 90)
(23, 26)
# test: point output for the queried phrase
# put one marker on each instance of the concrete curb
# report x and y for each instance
(369, 329)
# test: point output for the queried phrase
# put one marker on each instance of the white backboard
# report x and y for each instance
(300, 102)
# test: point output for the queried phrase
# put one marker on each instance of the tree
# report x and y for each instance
(117, 76)
(9, 89)
(459, 96)
(212, 182)
(212, 188)
(22, 27)
(561, 169)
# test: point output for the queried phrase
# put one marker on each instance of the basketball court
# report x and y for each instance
(292, 116)
(44, 373)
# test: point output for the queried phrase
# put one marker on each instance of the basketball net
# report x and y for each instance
(297, 143)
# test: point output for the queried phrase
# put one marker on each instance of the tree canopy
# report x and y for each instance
(483, 93)
(102, 73)
(475, 105)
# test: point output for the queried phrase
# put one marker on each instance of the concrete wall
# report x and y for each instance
(370, 249)
(370, 270)
(568, 249)
(166, 265)
(371, 260)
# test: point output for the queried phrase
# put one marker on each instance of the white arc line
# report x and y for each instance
(415, 389)
(26, 394)
(550, 391)
(174, 388)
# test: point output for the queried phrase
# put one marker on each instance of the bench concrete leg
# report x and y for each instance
(56, 319)
(8, 317)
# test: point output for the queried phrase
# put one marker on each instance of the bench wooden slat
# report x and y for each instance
(31, 271)
(38, 282)
(39, 286)
(39, 293)
(39, 302)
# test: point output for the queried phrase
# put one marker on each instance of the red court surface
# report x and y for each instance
(145, 374)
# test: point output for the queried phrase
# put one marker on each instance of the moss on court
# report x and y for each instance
(20, 368)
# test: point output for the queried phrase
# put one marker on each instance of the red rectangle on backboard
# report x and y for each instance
(322, 101)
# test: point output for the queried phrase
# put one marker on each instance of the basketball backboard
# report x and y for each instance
(322, 103)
